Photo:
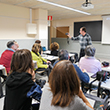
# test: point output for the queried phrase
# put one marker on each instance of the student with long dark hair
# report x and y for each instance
(19, 81)
(63, 91)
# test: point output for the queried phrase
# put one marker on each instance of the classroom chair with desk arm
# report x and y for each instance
(40, 75)
(99, 103)
(3, 76)
(98, 84)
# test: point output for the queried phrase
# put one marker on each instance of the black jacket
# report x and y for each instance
(17, 86)
(54, 53)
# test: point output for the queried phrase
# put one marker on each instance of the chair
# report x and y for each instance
(75, 56)
(3, 76)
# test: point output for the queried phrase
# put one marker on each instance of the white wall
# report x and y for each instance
(13, 22)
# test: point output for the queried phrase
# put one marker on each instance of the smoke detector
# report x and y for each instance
(87, 5)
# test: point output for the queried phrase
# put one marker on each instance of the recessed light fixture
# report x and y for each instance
(62, 6)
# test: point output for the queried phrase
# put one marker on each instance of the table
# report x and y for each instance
(49, 57)
(106, 68)
(105, 84)
(71, 55)
(49, 52)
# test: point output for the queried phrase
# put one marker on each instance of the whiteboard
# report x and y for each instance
(106, 30)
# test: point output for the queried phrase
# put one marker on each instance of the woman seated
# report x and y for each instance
(19, 81)
(42, 63)
(40, 50)
(63, 90)
(54, 48)
(89, 62)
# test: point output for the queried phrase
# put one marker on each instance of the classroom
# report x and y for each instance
(26, 21)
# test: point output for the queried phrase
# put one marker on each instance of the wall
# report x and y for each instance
(102, 51)
(13, 22)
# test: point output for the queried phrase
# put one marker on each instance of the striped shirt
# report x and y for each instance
(83, 40)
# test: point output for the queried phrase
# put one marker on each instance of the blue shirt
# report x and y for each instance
(82, 76)
(10, 49)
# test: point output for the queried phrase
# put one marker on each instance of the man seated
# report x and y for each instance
(6, 56)
(89, 62)
(63, 55)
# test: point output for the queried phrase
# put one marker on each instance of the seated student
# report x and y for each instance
(42, 63)
(63, 55)
(54, 48)
(39, 42)
(63, 90)
(19, 81)
(16, 45)
(6, 56)
(89, 62)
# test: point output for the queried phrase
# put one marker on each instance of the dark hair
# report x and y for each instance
(21, 61)
(38, 41)
(35, 48)
(83, 29)
(90, 50)
(63, 54)
(10, 43)
(64, 83)
(54, 46)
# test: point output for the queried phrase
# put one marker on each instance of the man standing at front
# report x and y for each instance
(84, 40)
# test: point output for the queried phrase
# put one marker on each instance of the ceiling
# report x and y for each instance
(101, 7)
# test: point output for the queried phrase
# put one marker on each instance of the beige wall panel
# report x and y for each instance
(13, 28)
(14, 11)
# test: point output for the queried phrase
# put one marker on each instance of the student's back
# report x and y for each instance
(19, 81)
(76, 104)
(17, 85)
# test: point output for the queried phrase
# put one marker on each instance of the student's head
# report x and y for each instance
(63, 55)
(12, 45)
(54, 46)
(38, 42)
(82, 30)
(16, 43)
(90, 51)
(21, 61)
(35, 48)
(64, 83)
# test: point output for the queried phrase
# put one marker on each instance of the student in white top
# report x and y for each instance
(63, 90)
(89, 62)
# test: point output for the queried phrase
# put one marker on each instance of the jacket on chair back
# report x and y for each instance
(17, 86)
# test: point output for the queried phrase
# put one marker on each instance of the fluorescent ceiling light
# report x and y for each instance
(58, 5)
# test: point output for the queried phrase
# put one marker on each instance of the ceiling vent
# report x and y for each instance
(87, 5)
